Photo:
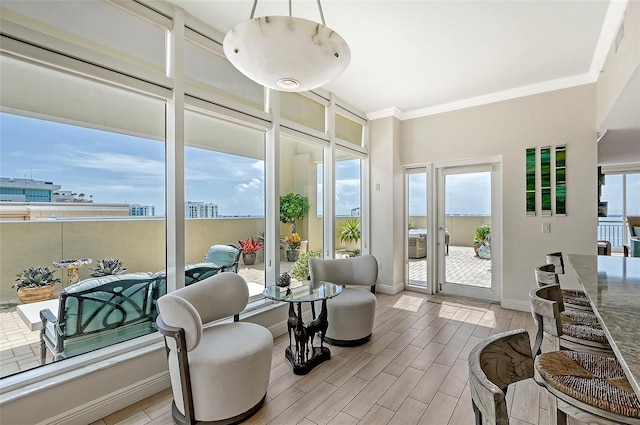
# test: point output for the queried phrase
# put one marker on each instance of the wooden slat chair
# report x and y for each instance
(580, 331)
(548, 275)
(494, 364)
(590, 387)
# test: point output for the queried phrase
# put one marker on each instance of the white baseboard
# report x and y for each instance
(516, 305)
(390, 289)
(104, 406)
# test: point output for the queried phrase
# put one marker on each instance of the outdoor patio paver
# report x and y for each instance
(462, 267)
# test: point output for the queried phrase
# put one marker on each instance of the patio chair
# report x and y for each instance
(604, 247)
(225, 256)
(634, 226)
(98, 312)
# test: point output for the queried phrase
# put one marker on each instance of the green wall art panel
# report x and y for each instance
(545, 180)
(550, 162)
(561, 180)
(531, 181)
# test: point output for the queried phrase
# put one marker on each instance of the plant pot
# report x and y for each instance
(32, 295)
(292, 255)
(249, 258)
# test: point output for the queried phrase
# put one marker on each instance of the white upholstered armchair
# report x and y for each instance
(351, 314)
(220, 372)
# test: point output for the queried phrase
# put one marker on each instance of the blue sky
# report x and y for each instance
(117, 168)
(465, 194)
(126, 169)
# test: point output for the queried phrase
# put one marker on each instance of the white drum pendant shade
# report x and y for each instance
(287, 53)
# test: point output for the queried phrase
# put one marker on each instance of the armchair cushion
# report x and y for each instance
(350, 315)
(227, 364)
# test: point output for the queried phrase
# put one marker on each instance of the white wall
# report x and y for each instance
(507, 129)
(387, 214)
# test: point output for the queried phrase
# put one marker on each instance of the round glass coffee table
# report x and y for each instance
(303, 355)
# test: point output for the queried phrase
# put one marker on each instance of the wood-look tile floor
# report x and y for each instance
(412, 371)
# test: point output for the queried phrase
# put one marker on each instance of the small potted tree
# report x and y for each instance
(35, 284)
(249, 249)
(482, 237)
(293, 206)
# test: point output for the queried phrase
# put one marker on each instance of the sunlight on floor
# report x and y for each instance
(409, 303)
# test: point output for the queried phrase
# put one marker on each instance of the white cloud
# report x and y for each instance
(252, 184)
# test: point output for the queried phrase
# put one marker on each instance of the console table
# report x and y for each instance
(304, 356)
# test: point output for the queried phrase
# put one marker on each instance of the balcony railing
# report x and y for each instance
(612, 231)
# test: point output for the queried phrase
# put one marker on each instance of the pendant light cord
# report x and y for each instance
(255, 3)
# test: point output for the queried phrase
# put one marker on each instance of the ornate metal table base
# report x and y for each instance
(303, 355)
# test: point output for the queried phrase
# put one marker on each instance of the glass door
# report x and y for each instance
(467, 231)
(416, 224)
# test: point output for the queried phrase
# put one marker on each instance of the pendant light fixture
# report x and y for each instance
(287, 53)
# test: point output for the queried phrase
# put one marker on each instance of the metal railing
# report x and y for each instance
(612, 231)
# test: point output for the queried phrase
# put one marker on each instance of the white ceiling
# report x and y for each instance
(417, 58)
(423, 57)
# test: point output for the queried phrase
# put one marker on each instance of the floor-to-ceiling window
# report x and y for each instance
(99, 153)
(92, 77)
(224, 191)
(621, 192)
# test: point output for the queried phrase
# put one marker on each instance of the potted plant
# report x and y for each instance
(292, 244)
(249, 249)
(293, 207)
(108, 266)
(35, 284)
(482, 237)
(349, 233)
(300, 269)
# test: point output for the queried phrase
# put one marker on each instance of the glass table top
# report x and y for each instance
(303, 291)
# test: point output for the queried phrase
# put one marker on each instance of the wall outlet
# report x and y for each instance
(546, 227)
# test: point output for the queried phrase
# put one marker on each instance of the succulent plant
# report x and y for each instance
(108, 266)
(35, 277)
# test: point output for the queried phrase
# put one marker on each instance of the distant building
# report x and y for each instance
(355, 211)
(142, 210)
(26, 190)
(200, 210)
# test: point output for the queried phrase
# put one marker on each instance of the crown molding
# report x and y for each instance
(385, 113)
(614, 16)
(529, 90)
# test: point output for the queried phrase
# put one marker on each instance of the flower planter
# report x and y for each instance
(249, 258)
(292, 255)
(32, 295)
